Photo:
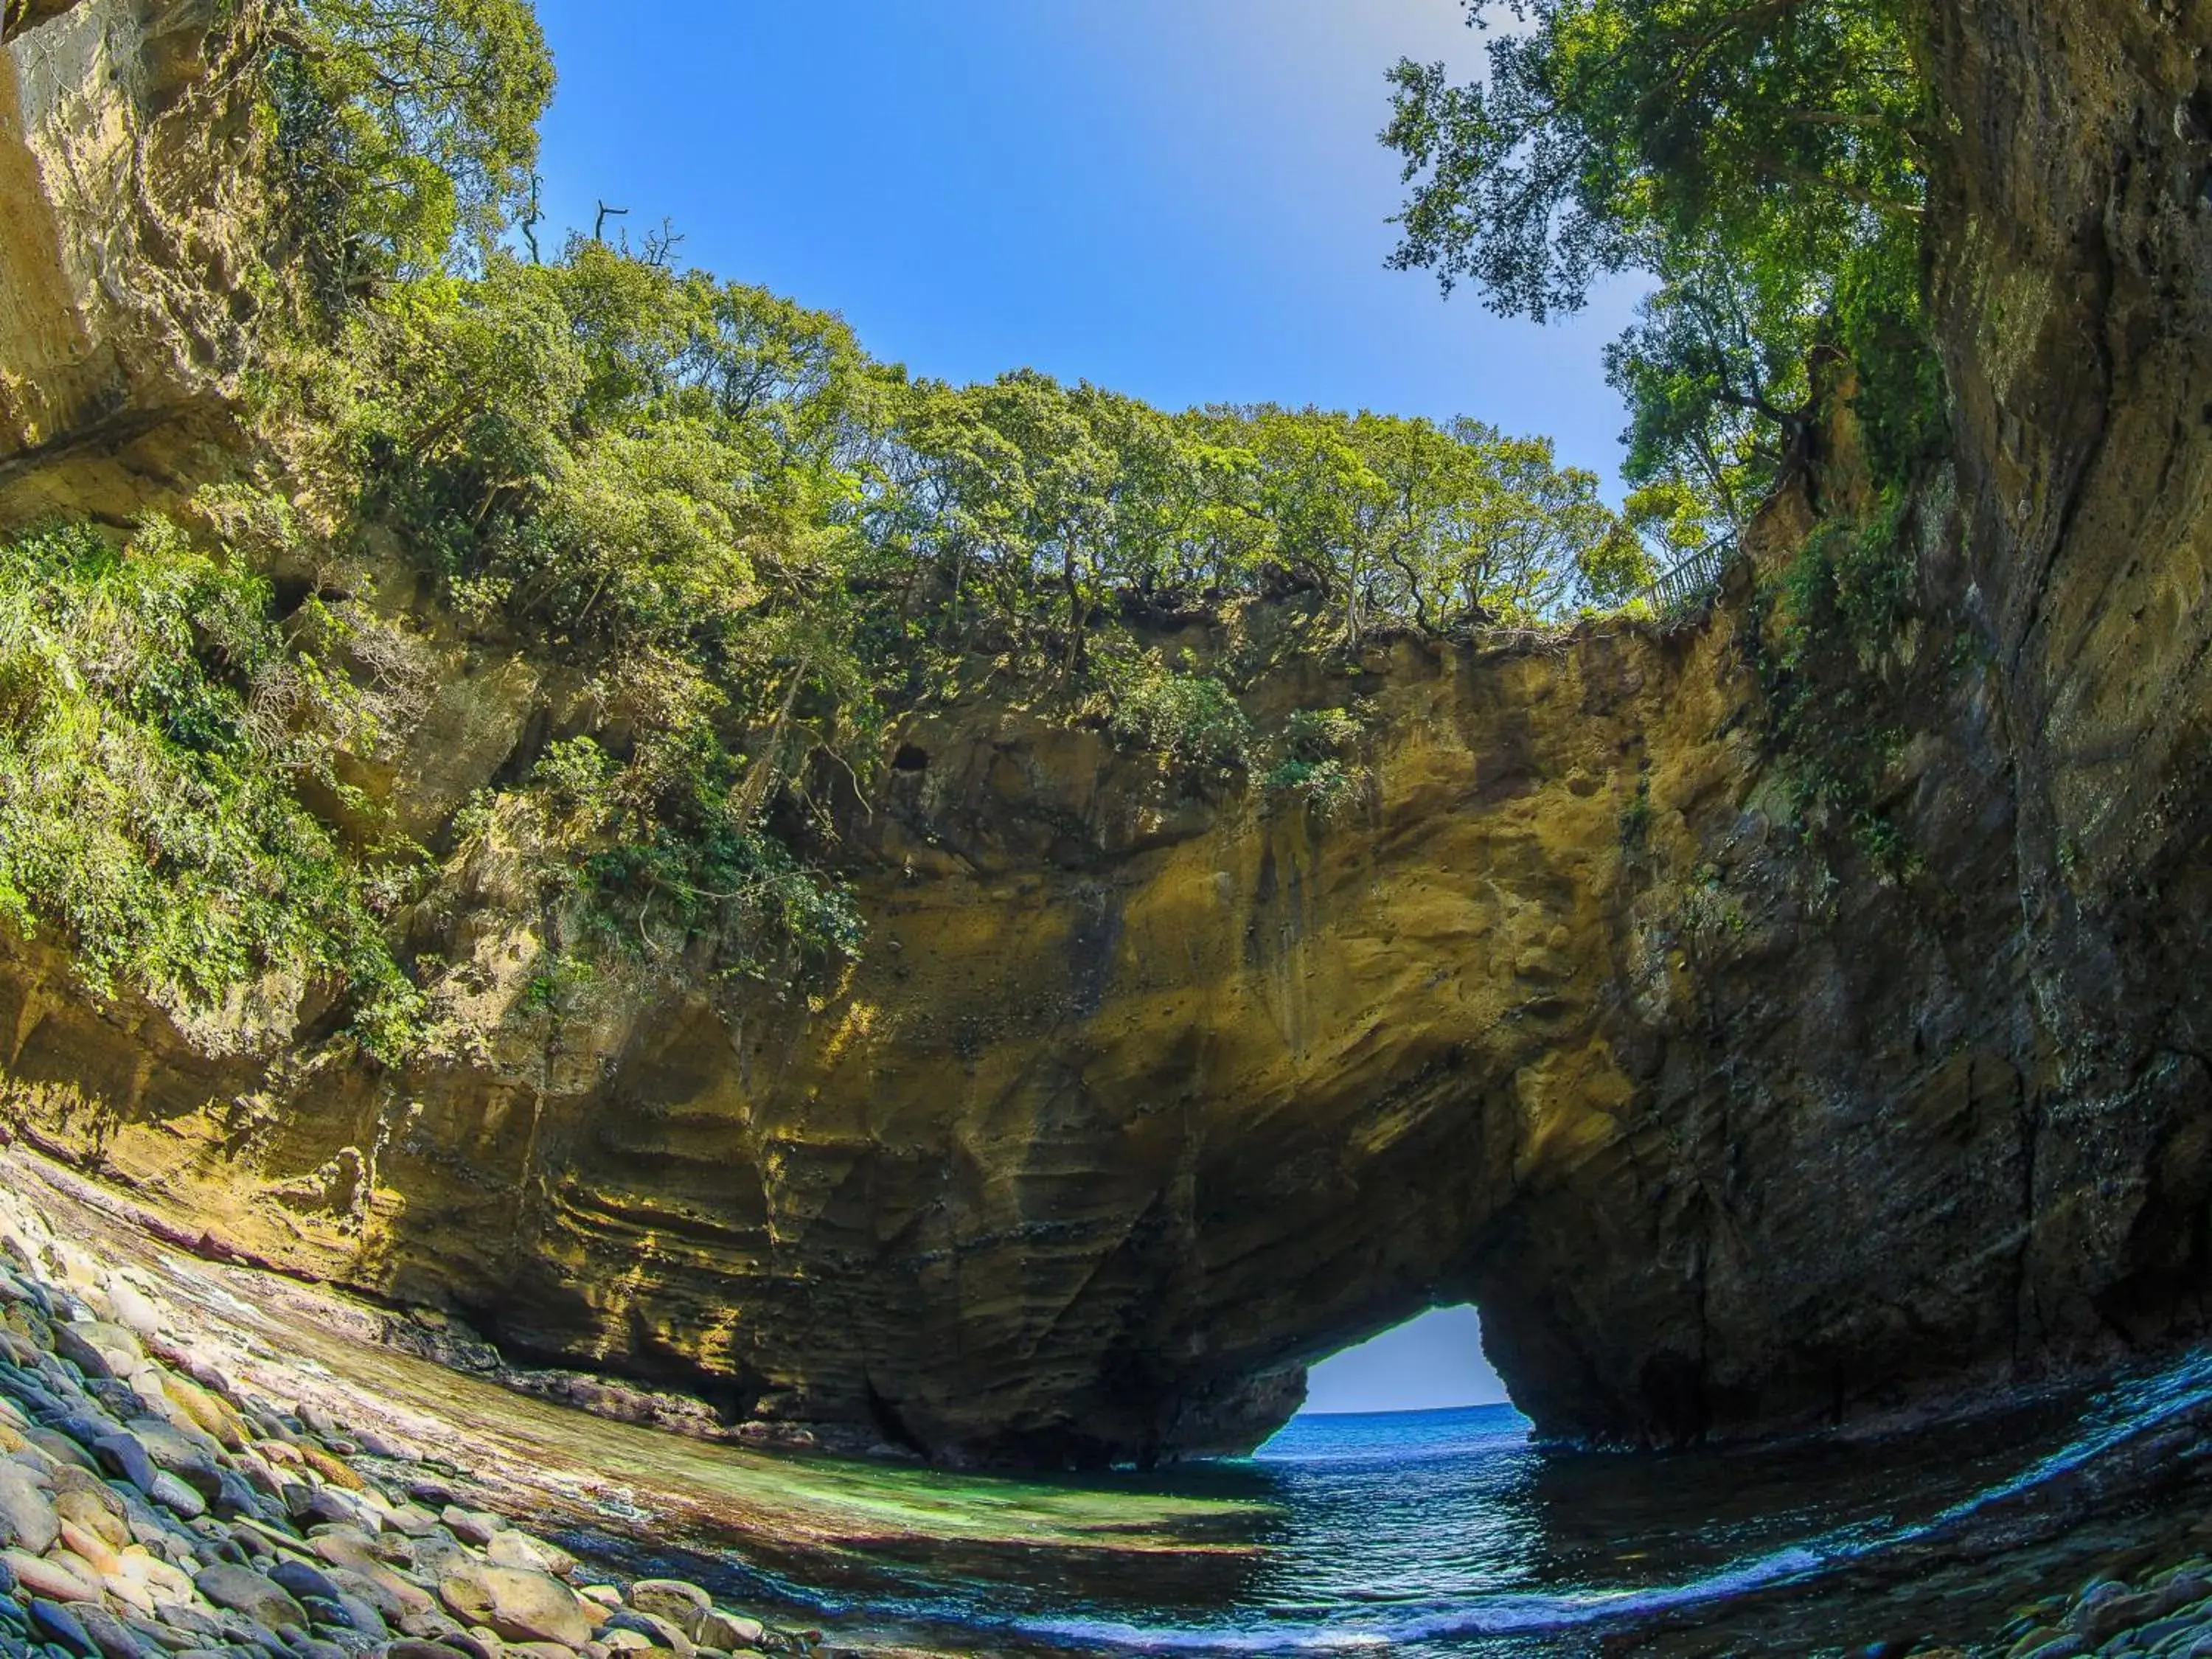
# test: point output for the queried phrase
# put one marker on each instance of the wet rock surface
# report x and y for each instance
(2167, 1612)
(150, 1506)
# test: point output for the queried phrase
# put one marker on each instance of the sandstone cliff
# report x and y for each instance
(1145, 1094)
(122, 297)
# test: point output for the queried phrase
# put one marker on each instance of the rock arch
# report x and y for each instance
(1146, 1096)
(1140, 1099)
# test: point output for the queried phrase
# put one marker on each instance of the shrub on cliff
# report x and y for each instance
(649, 852)
(158, 728)
(1310, 764)
(1192, 717)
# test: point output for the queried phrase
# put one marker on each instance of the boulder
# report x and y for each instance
(435, 1625)
(59, 1448)
(263, 1479)
(321, 1506)
(210, 1412)
(681, 1603)
(90, 1548)
(437, 1555)
(100, 1513)
(128, 1595)
(71, 1343)
(344, 1547)
(48, 1578)
(59, 1626)
(125, 1352)
(70, 1562)
(411, 1521)
(114, 1638)
(295, 1578)
(233, 1498)
(471, 1526)
(83, 1421)
(512, 1548)
(390, 1597)
(336, 1473)
(163, 1581)
(245, 1591)
(363, 1615)
(192, 1456)
(27, 1516)
(520, 1605)
(193, 1621)
(661, 1632)
(121, 1455)
(729, 1631)
(133, 1309)
(173, 1495)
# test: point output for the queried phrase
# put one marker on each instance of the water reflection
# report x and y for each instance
(1450, 1532)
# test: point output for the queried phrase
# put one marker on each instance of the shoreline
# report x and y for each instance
(275, 1348)
(316, 1394)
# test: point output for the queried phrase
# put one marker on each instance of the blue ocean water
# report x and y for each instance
(1452, 1533)
(1452, 1530)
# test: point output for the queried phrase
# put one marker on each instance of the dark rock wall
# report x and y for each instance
(2074, 290)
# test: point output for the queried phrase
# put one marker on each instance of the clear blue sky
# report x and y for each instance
(1427, 1363)
(1182, 199)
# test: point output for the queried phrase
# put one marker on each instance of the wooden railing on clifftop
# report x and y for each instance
(1683, 588)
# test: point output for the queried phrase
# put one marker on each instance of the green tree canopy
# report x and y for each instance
(1760, 157)
(405, 131)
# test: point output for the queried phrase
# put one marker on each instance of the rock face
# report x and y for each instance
(2074, 296)
(122, 271)
(1145, 1094)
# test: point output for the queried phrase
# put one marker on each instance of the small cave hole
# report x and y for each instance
(288, 593)
(890, 1425)
(911, 757)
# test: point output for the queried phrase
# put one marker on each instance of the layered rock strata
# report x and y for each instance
(1148, 1091)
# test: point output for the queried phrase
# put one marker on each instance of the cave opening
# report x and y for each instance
(1433, 1361)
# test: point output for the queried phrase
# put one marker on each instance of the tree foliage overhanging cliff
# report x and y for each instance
(762, 545)
(751, 544)
(1765, 160)
(404, 134)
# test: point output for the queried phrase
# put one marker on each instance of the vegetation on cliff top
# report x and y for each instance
(755, 545)
(159, 738)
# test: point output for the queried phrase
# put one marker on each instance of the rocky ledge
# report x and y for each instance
(2167, 1613)
(149, 1505)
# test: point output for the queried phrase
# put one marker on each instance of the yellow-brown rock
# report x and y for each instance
(1147, 1092)
(122, 302)
(1141, 1098)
